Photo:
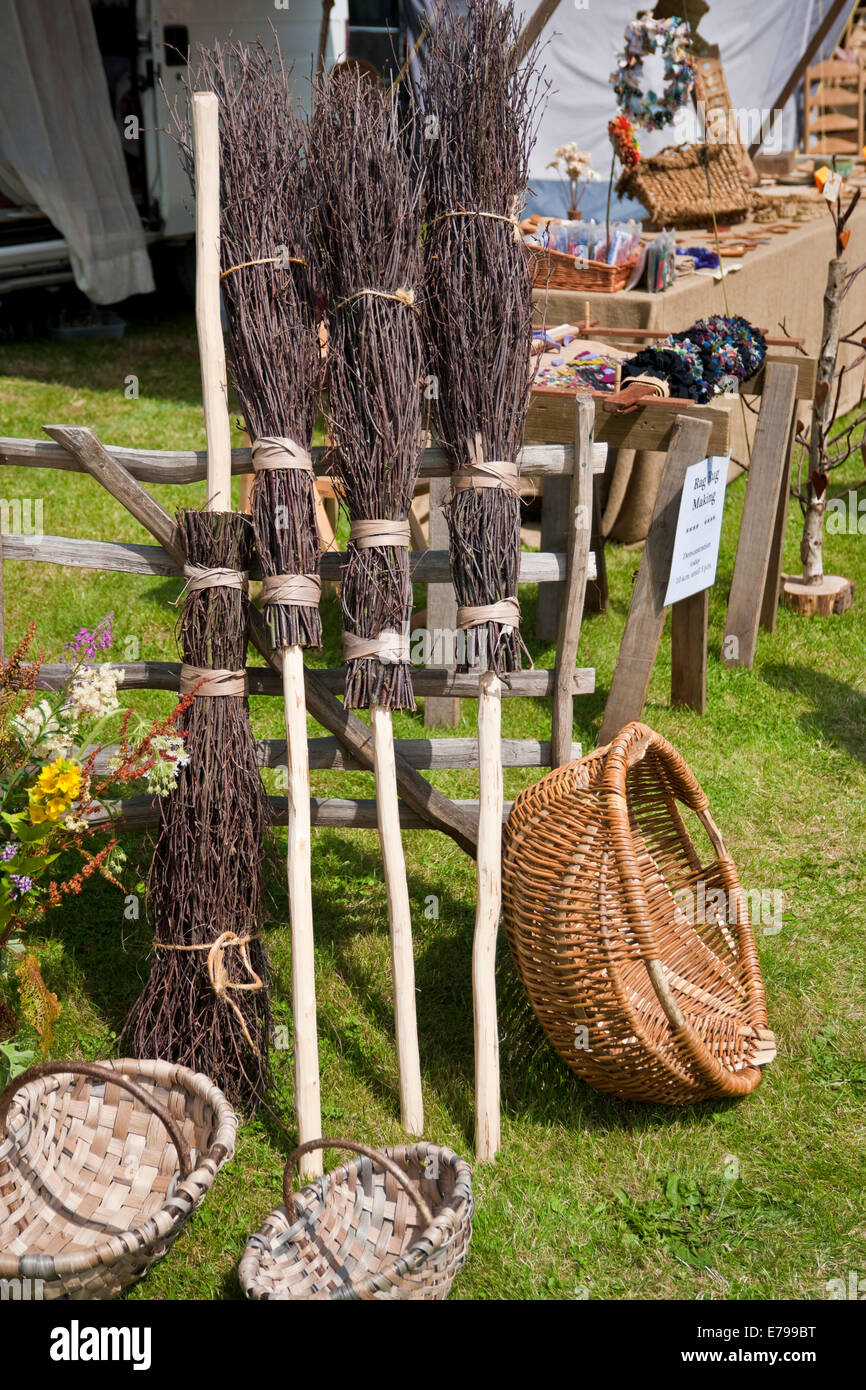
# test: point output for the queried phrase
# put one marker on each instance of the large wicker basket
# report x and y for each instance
(672, 185)
(389, 1225)
(100, 1166)
(635, 947)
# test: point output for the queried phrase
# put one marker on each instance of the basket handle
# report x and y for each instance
(101, 1074)
(375, 1154)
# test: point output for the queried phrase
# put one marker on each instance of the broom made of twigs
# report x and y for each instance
(274, 360)
(478, 312)
(367, 227)
(205, 1004)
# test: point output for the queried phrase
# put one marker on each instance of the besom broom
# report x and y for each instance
(274, 361)
(367, 231)
(480, 103)
(205, 1003)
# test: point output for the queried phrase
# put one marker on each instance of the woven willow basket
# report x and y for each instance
(100, 1166)
(638, 958)
(389, 1225)
(672, 185)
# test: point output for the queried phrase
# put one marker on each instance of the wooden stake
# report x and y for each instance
(400, 917)
(205, 134)
(489, 901)
(307, 1085)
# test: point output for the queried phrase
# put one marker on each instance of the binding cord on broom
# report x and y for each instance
(402, 296)
(477, 212)
(389, 647)
(484, 473)
(281, 261)
(218, 975)
(271, 452)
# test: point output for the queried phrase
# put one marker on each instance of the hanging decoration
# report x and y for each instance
(670, 37)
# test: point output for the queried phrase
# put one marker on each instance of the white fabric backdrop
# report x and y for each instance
(760, 43)
(60, 149)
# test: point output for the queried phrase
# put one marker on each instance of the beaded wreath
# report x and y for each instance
(642, 37)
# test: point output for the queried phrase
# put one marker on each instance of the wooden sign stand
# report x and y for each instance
(646, 614)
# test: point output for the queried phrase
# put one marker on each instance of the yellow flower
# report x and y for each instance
(56, 807)
(46, 782)
(37, 812)
(69, 782)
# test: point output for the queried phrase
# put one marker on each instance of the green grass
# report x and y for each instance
(594, 1197)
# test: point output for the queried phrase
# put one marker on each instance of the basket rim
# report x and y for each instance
(443, 1228)
(586, 263)
(176, 1207)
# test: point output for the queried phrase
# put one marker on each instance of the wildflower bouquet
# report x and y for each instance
(50, 741)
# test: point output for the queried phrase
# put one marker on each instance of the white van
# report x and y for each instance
(143, 45)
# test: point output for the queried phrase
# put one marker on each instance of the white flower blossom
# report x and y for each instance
(40, 728)
(170, 755)
(94, 691)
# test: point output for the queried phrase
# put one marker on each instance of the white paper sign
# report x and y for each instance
(699, 529)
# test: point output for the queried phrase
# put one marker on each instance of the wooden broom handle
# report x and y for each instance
(206, 151)
(111, 1077)
(375, 1155)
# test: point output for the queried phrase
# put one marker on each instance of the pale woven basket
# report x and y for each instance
(394, 1224)
(100, 1167)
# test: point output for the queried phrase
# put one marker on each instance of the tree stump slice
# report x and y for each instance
(834, 594)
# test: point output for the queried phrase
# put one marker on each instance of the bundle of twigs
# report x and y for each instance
(268, 280)
(481, 110)
(481, 104)
(367, 229)
(205, 1004)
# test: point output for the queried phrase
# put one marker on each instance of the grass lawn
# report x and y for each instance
(590, 1197)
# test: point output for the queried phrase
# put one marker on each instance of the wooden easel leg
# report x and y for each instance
(770, 601)
(554, 536)
(768, 474)
(689, 652)
(646, 614)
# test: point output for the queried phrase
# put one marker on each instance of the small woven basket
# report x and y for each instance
(638, 958)
(100, 1166)
(557, 270)
(672, 185)
(389, 1225)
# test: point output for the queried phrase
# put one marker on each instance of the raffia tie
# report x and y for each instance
(402, 296)
(218, 975)
(475, 212)
(277, 451)
(487, 473)
(506, 611)
(390, 648)
(367, 534)
(201, 577)
(216, 681)
(292, 590)
(265, 260)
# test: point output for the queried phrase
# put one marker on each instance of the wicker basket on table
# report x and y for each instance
(672, 185)
(557, 270)
(100, 1166)
(389, 1225)
(637, 957)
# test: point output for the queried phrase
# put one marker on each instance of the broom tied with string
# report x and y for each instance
(205, 1004)
(268, 284)
(483, 103)
(367, 229)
